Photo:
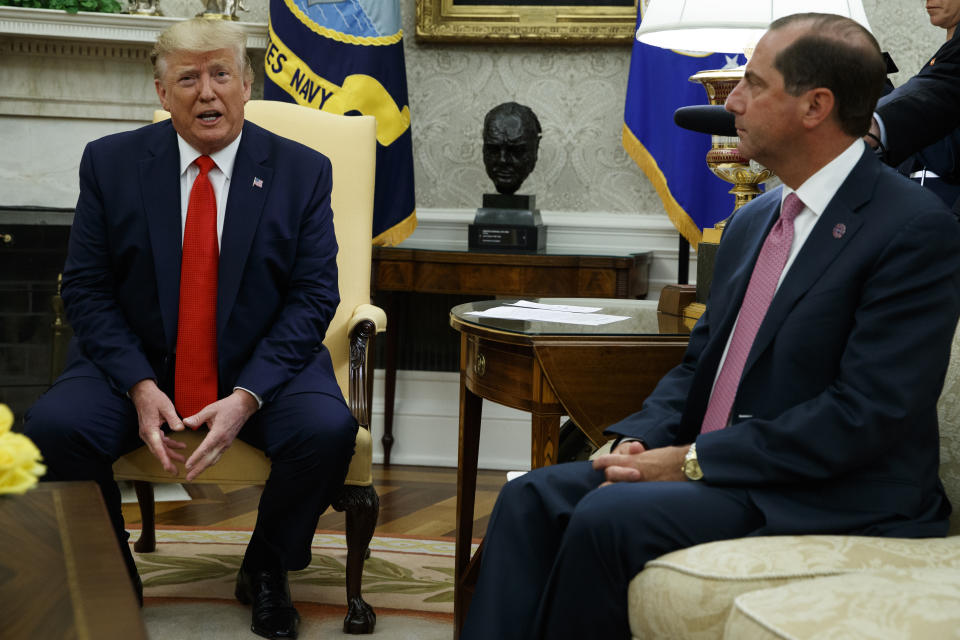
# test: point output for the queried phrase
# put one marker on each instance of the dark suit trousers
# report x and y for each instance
(560, 552)
(82, 426)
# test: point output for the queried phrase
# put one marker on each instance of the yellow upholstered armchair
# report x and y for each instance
(350, 144)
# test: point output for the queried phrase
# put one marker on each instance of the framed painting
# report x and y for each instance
(543, 21)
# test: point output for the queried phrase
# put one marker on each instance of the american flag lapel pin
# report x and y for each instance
(258, 183)
(839, 230)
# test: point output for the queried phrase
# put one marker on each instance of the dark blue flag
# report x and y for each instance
(674, 158)
(346, 57)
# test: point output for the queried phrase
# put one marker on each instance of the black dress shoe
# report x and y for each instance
(269, 593)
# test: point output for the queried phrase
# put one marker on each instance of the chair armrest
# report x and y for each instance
(370, 312)
(365, 323)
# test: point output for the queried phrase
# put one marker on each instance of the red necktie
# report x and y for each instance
(763, 284)
(195, 383)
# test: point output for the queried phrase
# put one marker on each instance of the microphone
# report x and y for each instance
(706, 118)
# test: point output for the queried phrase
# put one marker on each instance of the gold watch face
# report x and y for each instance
(691, 469)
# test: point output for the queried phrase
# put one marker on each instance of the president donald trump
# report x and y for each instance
(200, 279)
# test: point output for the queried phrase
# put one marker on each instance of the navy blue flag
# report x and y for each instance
(346, 57)
(673, 158)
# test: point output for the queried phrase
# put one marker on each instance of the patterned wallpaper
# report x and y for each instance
(577, 93)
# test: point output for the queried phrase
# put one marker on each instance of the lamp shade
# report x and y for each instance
(729, 26)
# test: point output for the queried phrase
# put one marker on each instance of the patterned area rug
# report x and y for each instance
(198, 619)
(189, 581)
(402, 573)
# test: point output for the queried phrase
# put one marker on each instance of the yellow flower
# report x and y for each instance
(19, 457)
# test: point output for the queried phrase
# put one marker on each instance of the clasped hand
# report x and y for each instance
(224, 419)
(632, 462)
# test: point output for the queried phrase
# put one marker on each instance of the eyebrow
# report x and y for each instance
(752, 77)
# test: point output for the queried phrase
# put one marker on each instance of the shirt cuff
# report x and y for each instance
(883, 129)
(622, 439)
(255, 396)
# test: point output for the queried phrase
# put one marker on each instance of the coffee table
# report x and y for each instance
(61, 571)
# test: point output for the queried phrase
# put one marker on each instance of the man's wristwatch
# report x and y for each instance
(691, 468)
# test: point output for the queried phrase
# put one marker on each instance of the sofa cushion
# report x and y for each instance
(689, 593)
(881, 605)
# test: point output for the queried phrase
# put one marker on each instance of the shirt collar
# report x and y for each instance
(224, 158)
(818, 190)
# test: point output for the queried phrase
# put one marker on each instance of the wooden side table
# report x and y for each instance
(596, 375)
(403, 270)
(61, 571)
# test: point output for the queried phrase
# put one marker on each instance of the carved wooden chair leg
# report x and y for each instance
(362, 508)
(147, 541)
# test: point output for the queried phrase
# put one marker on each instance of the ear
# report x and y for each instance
(161, 93)
(817, 105)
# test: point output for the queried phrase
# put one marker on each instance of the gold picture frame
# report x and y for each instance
(560, 22)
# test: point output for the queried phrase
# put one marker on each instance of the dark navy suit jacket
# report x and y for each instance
(925, 108)
(277, 287)
(834, 423)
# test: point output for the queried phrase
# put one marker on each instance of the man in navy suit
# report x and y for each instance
(830, 422)
(275, 293)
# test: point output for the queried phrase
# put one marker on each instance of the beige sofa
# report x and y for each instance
(814, 586)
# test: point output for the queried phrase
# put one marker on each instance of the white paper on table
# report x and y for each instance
(554, 307)
(542, 315)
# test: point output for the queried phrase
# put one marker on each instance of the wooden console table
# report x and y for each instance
(61, 572)
(596, 375)
(401, 269)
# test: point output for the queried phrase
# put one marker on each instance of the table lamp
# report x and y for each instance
(727, 26)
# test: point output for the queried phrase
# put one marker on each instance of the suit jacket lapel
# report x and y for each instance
(821, 248)
(159, 175)
(249, 184)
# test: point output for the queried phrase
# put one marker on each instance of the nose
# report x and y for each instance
(206, 88)
(734, 101)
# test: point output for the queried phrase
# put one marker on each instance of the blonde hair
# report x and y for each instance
(201, 35)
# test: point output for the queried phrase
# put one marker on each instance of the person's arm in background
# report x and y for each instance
(924, 109)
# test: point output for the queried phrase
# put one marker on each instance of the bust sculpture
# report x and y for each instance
(508, 221)
(511, 140)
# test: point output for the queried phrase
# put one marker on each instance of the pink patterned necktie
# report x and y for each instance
(763, 284)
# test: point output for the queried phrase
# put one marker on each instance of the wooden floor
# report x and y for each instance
(419, 501)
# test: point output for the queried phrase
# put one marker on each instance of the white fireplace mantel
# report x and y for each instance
(66, 79)
(115, 28)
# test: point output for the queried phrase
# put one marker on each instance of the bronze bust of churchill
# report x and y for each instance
(508, 221)
(511, 140)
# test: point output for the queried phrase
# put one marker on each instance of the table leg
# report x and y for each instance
(470, 409)
(544, 421)
(394, 315)
(545, 439)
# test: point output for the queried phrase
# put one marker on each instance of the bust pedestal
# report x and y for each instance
(507, 223)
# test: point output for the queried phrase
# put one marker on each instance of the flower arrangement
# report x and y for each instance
(19, 457)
